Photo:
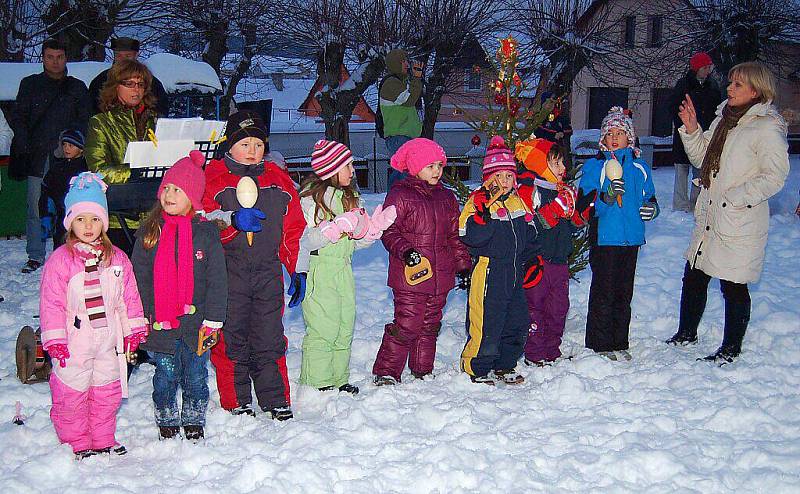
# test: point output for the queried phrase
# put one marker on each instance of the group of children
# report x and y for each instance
(212, 250)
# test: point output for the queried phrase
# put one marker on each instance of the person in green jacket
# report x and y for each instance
(399, 96)
(336, 226)
(128, 113)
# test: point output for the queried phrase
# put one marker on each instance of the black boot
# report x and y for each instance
(694, 294)
(193, 432)
(348, 388)
(737, 316)
(168, 431)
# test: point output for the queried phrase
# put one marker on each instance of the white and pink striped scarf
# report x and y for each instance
(92, 291)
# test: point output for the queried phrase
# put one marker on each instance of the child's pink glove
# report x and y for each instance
(354, 223)
(60, 352)
(133, 340)
(380, 221)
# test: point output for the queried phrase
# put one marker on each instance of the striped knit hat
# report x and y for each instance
(329, 157)
(498, 158)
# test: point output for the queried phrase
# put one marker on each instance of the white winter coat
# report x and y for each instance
(732, 216)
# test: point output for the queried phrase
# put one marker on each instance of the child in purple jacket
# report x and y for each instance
(426, 226)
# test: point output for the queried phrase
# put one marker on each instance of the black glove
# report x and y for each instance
(463, 280)
(649, 210)
(297, 289)
(411, 257)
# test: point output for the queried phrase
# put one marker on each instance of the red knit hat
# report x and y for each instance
(329, 157)
(498, 158)
(699, 60)
(416, 154)
(187, 174)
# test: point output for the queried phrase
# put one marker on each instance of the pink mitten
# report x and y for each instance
(133, 340)
(331, 231)
(362, 227)
(566, 199)
(354, 222)
(60, 352)
(380, 221)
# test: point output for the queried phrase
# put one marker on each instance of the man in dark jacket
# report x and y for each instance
(705, 94)
(126, 49)
(47, 103)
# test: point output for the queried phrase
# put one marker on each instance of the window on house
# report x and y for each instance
(656, 30)
(601, 99)
(629, 36)
(660, 111)
(473, 80)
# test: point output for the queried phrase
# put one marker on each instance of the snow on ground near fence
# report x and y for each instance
(662, 422)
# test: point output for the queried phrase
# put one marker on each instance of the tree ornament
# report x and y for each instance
(476, 140)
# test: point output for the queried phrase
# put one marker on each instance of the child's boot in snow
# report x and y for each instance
(168, 431)
(385, 381)
(281, 413)
(193, 432)
(246, 409)
(348, 388)
(509, 376)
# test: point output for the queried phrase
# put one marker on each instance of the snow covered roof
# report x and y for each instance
(178, 74)
(292, 95)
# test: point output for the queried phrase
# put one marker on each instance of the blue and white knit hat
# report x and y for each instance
(87, 194)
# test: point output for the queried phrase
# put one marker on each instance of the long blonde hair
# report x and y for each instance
(315, 188)
(107, 248)
(151, 226)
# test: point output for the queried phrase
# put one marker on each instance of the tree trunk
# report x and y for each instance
(214, 32)
(242, 67)
(434, 89)
(337, 104)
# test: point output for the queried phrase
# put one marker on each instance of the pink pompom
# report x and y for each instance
(502, 212)
(497, 142)
(528, 217)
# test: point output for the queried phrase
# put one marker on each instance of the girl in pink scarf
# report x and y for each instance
(180, 267)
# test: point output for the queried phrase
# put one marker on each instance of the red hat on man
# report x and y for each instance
(700, 60)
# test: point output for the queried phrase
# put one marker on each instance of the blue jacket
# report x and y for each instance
(616, 225)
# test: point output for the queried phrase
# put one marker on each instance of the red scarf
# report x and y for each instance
(173, 284)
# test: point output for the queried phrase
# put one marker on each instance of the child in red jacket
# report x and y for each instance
(259, 237)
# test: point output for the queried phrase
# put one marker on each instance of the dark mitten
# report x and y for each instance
(297, 290)
(534, 269)
(649, 210)
(463, 280)
(583, 207)
(411, 257)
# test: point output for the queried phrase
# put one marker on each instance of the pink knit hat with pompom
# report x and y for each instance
(187, 174)
(416, 154)
(498, 158)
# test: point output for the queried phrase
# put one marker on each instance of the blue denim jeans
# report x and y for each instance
(189, 371)
(34, 244)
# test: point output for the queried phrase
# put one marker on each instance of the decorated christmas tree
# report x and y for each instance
(505, 117)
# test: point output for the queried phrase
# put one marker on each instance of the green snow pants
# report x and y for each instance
(329, 310)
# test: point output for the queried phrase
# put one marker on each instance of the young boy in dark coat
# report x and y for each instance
(66, 161)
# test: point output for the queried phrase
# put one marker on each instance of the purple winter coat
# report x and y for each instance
(427, 220)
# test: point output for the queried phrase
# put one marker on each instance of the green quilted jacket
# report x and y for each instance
(106, 141)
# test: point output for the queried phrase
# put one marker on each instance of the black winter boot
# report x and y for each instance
(193, 432)
(168, 431)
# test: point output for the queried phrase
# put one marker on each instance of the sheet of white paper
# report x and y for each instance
(143, 154)
(195, 129)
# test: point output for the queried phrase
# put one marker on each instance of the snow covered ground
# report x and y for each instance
(659, 423)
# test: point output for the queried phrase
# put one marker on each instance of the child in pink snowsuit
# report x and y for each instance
(90, 314)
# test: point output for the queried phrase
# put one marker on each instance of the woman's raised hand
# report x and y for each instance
(688, 115)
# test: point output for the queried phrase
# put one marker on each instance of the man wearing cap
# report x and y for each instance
(126, 49)
(705, 95)
(47, 103)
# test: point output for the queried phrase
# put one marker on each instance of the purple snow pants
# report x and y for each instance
(548, 303)
(412, 335)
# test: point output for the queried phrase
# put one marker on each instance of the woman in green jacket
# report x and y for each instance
(128, 113)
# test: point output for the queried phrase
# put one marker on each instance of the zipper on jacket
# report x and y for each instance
(514, 257)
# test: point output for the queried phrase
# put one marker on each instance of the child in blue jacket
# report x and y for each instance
(616, 232)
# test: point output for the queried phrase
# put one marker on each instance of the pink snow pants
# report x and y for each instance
(87, 392)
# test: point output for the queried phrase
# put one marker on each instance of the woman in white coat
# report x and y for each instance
(743, 160)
